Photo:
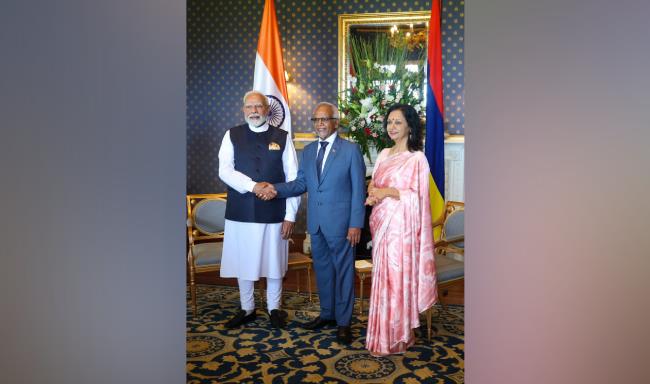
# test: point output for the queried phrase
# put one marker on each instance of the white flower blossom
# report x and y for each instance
(366, 104)
(373, 111)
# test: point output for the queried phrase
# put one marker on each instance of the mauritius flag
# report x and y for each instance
(435, 128)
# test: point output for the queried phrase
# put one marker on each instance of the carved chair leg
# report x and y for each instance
(297, 280)
(361, 278)
(428, 314)
(193, 291)
(309, 283)
(443, 293)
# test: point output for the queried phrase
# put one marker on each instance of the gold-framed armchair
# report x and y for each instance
(205, 226)
(449, 252)
(452, 238)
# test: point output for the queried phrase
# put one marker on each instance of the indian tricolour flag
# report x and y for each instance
(269, 69)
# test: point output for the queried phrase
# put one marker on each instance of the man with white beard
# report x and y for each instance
(256, 231)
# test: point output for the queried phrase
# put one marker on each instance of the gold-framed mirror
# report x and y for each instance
(349, 24)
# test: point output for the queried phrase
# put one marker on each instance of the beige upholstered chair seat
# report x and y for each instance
(207, 253)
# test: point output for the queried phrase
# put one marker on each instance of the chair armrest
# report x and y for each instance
(190, 236)
(455, 239)
(446, 243)
(440, 244)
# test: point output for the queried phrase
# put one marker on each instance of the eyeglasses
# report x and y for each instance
(317, 120)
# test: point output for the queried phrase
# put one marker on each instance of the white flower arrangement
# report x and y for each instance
(382, 79)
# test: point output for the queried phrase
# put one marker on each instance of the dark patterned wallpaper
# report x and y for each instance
(221, 45)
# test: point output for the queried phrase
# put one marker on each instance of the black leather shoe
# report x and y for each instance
(278, 318)
(344, 335)
(318, 322)
(240, 318)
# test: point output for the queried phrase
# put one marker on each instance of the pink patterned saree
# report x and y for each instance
(403, 275)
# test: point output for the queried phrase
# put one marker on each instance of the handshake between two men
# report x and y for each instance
(265, 191)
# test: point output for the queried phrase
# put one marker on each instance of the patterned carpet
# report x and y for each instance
(257, 353)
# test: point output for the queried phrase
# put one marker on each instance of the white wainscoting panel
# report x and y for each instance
(455, 168)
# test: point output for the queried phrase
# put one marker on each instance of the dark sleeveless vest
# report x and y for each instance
(258, 156)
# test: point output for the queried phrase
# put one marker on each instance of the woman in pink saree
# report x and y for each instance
(403, 275)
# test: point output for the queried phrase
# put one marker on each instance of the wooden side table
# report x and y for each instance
(363, 268)
(297, 262)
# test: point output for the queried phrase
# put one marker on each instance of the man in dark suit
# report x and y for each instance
(332, 171)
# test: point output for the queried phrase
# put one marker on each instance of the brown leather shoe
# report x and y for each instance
(240, 318)
(318, 322)
(344, 334)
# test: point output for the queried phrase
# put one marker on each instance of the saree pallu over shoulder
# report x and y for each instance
(403, 278)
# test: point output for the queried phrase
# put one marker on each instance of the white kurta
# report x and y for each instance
(254, 250)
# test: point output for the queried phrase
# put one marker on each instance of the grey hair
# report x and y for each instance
(334, 108)
(265, 99)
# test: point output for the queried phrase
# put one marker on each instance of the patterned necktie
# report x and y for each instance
(319, 158)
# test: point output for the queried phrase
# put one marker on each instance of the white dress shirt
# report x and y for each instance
(330, 140)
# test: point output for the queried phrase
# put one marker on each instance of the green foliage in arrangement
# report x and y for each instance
(384, 73)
